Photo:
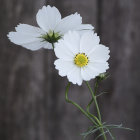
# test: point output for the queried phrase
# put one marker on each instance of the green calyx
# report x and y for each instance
(51, 37)
(102, 76)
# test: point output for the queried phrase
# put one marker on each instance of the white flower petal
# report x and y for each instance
(62, 51)
(69, 23)
(72, 39)
(29, 30)
(89, 41)
(101, 53)
(88, 73)
(74, 76)
(19, 38)
(101, 67)
(93, 69)
(27, 36)
(85, 27)
(26, 41)
(48, 17)
(34, 45)
(63, 66)
(48, 46)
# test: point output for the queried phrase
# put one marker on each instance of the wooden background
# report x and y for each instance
(32, 104)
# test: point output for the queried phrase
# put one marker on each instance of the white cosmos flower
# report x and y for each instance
(52, 28)
(81, 57)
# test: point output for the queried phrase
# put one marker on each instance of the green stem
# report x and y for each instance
(93, 116)
(91, 101)
(95, 101)
(53, 45)
(97, 107)
(76, 105)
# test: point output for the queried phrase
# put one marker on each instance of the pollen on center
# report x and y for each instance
(81, 59)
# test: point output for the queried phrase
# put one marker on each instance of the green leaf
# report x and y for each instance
(109, 131)
(101, 94)
(118, 127)
(101, 134)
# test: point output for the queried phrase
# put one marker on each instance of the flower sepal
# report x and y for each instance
(102, 76)
(51, 37)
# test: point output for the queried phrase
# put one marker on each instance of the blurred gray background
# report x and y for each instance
(32, 103)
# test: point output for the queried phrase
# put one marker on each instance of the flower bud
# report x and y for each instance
(102, 76)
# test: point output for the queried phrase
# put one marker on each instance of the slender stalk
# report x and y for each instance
(94, 99)
(93, 116)
(53, 45)
(97, 107)
(91, 101)
(76, 105)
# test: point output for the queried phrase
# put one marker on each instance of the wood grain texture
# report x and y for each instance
(32, 103)
(22, 97)
(119, 27)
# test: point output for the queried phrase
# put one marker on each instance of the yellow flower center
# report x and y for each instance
(81, 60)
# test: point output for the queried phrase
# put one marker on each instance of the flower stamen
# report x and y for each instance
(81, 59)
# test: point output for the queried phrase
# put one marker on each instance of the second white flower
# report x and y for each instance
(81, 57)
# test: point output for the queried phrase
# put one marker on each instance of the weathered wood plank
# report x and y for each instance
(65, 121)
(119, 27)
(22, 97)
(32, 104)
